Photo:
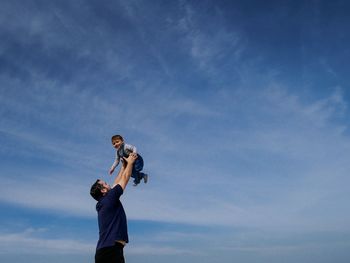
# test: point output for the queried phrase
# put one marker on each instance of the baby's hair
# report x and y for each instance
(117, 137)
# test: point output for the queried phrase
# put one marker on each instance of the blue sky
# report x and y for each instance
(239, 108)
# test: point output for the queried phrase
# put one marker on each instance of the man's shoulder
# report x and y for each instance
(117, 187)
(115, 192)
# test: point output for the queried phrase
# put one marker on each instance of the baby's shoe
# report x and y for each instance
(145, 178)
(136, 183)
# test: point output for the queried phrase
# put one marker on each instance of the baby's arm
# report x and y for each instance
(114, 165)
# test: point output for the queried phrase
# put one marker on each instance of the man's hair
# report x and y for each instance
(95, 190)
(117, 137)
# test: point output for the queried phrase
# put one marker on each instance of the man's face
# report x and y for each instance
(105, 187)
(116, 143)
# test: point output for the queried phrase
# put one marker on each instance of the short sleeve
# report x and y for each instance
(115, 193)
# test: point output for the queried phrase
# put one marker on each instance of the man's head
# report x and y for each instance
(99, 189)
(117, 140)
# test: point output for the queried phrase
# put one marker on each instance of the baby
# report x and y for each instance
(123, 150)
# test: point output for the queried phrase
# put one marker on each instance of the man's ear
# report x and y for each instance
(104, 191)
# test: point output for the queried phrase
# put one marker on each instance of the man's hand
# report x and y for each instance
(131, 159)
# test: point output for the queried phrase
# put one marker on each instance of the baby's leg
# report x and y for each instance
(136, 171)
(138, 164)
(136, 175)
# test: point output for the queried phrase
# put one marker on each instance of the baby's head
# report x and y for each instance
(117, 140)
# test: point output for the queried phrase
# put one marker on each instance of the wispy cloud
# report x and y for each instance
(209, 46)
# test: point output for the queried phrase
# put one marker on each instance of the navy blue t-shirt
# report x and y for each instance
(111, 218)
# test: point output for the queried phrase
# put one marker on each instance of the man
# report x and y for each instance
(112, 223)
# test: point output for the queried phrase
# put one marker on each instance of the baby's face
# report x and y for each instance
(116, 143)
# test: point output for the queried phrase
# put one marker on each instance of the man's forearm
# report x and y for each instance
(125, 175)
(119, 176)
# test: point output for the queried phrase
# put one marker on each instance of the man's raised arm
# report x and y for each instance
(118, 177)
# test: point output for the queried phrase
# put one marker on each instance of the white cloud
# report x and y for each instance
(55, 193)
(312, 147)
(157, 250)
(25, 242)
